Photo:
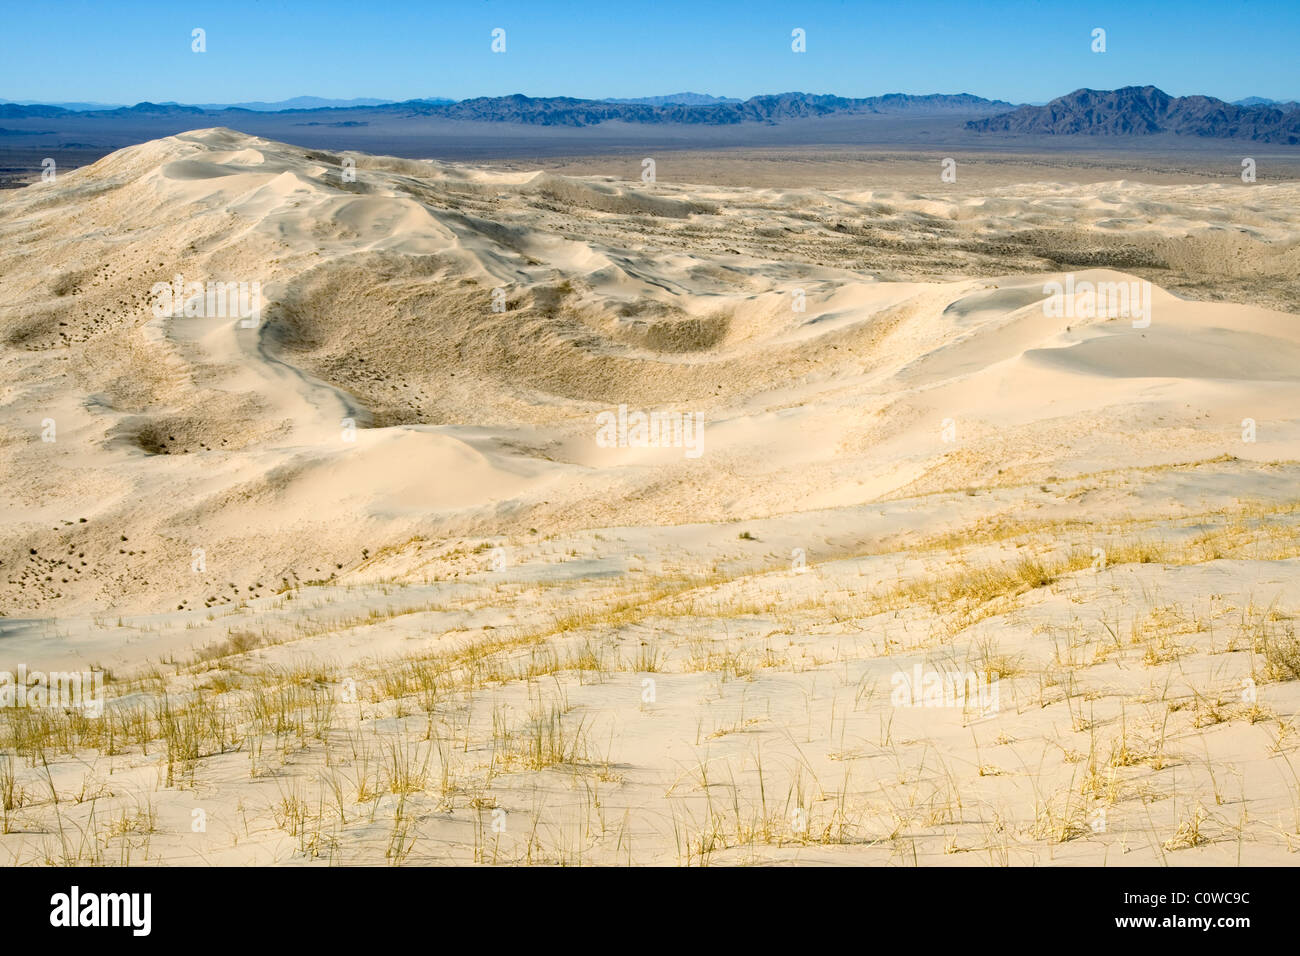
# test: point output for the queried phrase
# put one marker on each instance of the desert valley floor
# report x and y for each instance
(368, 585)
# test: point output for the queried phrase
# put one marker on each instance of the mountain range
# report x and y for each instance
(293, 103)
(675, 99)
(570, 111)
(1144, 111)
(1126, 112)
(1264, 101)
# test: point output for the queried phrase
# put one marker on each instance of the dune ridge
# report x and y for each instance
(198, 433)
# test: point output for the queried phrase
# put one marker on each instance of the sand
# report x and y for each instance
(407, 504)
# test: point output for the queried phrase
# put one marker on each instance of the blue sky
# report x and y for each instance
(125, 51)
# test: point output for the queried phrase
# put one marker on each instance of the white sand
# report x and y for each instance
(895, 430)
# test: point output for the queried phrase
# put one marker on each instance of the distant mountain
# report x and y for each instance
(153, 109)
(13, 108)
(15, 111)
(1262, 101)
(684, 108)
(936, 103)
(18, 111)
(73, 107)
(675, 99)
(567, 111)
(1143, 111)
(298, 103)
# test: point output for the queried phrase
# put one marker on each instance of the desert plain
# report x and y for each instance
(936, 563)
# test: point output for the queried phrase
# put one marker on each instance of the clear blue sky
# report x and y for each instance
(124, 52)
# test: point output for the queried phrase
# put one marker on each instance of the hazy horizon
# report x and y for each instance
(364, 101)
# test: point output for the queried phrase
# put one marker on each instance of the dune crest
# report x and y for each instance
(437, 341)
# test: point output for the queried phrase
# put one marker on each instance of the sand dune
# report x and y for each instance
(379, 309)
(439, 348)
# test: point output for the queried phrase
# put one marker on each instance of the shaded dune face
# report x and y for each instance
(468, 326)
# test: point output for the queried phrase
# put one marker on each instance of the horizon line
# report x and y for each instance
(89, 106)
